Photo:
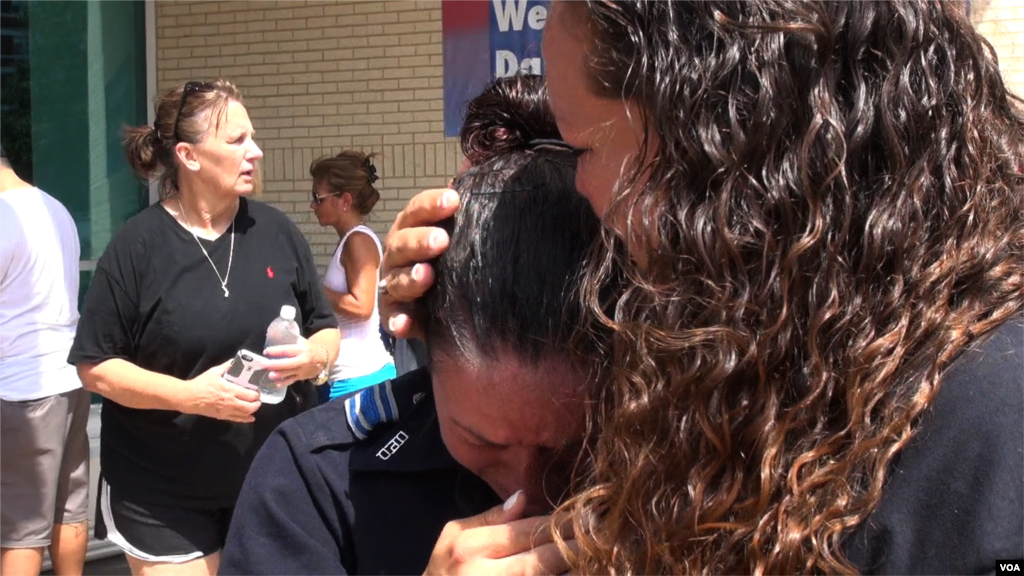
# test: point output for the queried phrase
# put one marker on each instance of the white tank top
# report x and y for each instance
(361, 351)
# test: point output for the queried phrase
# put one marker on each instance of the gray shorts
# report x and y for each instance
(44, 456)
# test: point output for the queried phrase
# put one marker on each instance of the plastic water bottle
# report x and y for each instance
(283, 330)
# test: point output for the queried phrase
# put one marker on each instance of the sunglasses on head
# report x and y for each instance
(189, 89)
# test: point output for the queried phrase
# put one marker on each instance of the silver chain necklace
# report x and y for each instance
(231, 254)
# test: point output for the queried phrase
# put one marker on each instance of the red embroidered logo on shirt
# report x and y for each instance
(270, 272)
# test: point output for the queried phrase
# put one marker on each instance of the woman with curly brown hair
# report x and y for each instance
(818, 359)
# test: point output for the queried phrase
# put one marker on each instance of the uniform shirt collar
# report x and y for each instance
(413, 443)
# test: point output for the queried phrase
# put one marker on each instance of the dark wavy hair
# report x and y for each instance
(510, 276)
(510, 111)
(835, 211)
(508, 284)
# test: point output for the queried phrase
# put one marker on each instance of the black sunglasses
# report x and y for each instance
(189, 89)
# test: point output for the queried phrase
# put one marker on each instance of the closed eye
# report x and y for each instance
(486, 446)
(577, 152)
(478, 441)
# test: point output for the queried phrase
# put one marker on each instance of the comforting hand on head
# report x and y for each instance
(412, 243)
(498, 414)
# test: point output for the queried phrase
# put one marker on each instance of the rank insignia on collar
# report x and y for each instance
(391, 447)
(370, 408)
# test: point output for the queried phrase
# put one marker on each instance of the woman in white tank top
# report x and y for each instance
(343, 194)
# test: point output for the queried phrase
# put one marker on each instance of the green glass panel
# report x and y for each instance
(88, 82)
(15, 94)
(84, 278)
(73, 76)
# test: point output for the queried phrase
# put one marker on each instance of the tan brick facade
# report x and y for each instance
(322, 76)
(1002, 23)
(318, 77)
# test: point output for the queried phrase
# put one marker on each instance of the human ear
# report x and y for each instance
(186, 154)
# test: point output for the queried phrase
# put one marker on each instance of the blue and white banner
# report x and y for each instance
(483, 40)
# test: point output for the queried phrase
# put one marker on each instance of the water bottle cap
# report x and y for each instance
(288, 312)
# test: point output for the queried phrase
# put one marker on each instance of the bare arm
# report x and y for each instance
(361, 262)
(207, 394)
(134, 387)
(329, 339)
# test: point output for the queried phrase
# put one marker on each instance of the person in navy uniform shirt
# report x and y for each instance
(368, 486)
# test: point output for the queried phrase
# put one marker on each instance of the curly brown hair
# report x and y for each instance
(837, 208)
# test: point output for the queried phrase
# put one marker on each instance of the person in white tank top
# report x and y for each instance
(343, 195)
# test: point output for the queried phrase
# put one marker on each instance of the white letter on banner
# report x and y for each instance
(509, 12)
(537, 17)
(530, 66)
(505, 63)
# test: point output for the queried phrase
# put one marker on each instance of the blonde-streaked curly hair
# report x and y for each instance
(839, 207)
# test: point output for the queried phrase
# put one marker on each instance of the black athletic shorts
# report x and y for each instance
(160, 533)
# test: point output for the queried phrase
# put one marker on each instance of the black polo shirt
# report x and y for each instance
(157, 302)
(318, 500)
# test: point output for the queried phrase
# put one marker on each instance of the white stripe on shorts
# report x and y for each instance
(114, 536)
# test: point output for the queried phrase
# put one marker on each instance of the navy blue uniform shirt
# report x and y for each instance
(321, 499)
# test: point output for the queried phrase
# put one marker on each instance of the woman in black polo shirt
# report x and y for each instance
(187, 283)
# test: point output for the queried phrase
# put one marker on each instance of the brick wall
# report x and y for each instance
(1002, 23)
(322, 76)
(318, 77)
